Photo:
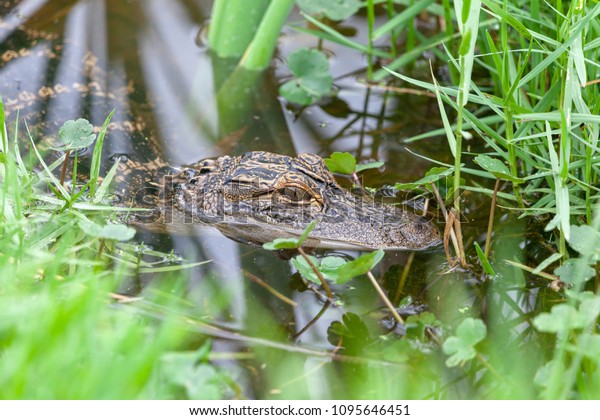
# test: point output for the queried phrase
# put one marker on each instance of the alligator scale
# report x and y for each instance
(253, 198)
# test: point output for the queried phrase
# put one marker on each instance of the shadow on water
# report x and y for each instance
(68, 59)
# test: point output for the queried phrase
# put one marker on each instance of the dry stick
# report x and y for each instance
(385, 299)
(396, 89)
(447, 234)
(438, 197)
(269, 288)
(312, 321)
(459, 238)
(591, 82)
(317, 272)
(63, 172)
(488, 238)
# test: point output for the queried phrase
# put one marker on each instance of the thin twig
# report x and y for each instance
(396, 89)
(269, 288)
(448, 232)
(385, 299)
(313, 321)
(317, 272)
(488, 239)
(451, 233)
(591, 82)
(63, 172)
(459, 239)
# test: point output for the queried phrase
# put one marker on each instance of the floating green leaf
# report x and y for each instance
(290, 243)
(109, 231)
(461, 347)
(76, 134)
(312, 79)
(341, 163)
(332, 9)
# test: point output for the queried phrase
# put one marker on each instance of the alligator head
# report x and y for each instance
(260, 196)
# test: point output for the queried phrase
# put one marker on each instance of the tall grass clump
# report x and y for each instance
(64, 331)
(538, 116)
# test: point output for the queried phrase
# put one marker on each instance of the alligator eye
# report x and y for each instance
(296, 195)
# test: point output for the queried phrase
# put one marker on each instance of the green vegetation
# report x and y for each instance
(519, 112)
(59, 271)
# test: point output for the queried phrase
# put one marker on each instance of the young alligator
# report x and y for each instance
(260, 196)
(253, 198)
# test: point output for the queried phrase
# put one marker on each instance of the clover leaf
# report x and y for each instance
(312, 79)
(341, 163)
(461, 347)
(76, 134)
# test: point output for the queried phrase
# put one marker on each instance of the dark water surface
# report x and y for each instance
(150, 56)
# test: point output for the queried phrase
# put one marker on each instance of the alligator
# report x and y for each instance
(253, 198)
(259, 196)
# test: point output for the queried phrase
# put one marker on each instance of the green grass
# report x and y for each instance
(525, 108)
(63, 332)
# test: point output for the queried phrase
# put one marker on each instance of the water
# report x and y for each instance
(147, 54)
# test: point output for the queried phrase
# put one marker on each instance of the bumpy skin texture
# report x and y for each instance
(260, 196)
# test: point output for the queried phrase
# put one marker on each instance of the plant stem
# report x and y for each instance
(390, 13)
(403, 278)
(313, 321)
(234, 24)
(317, 272)
(63, 171)
(385, 299)
(512, 154)
(269, 288)
(370, 22)
(488, 238)
(260, 51)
